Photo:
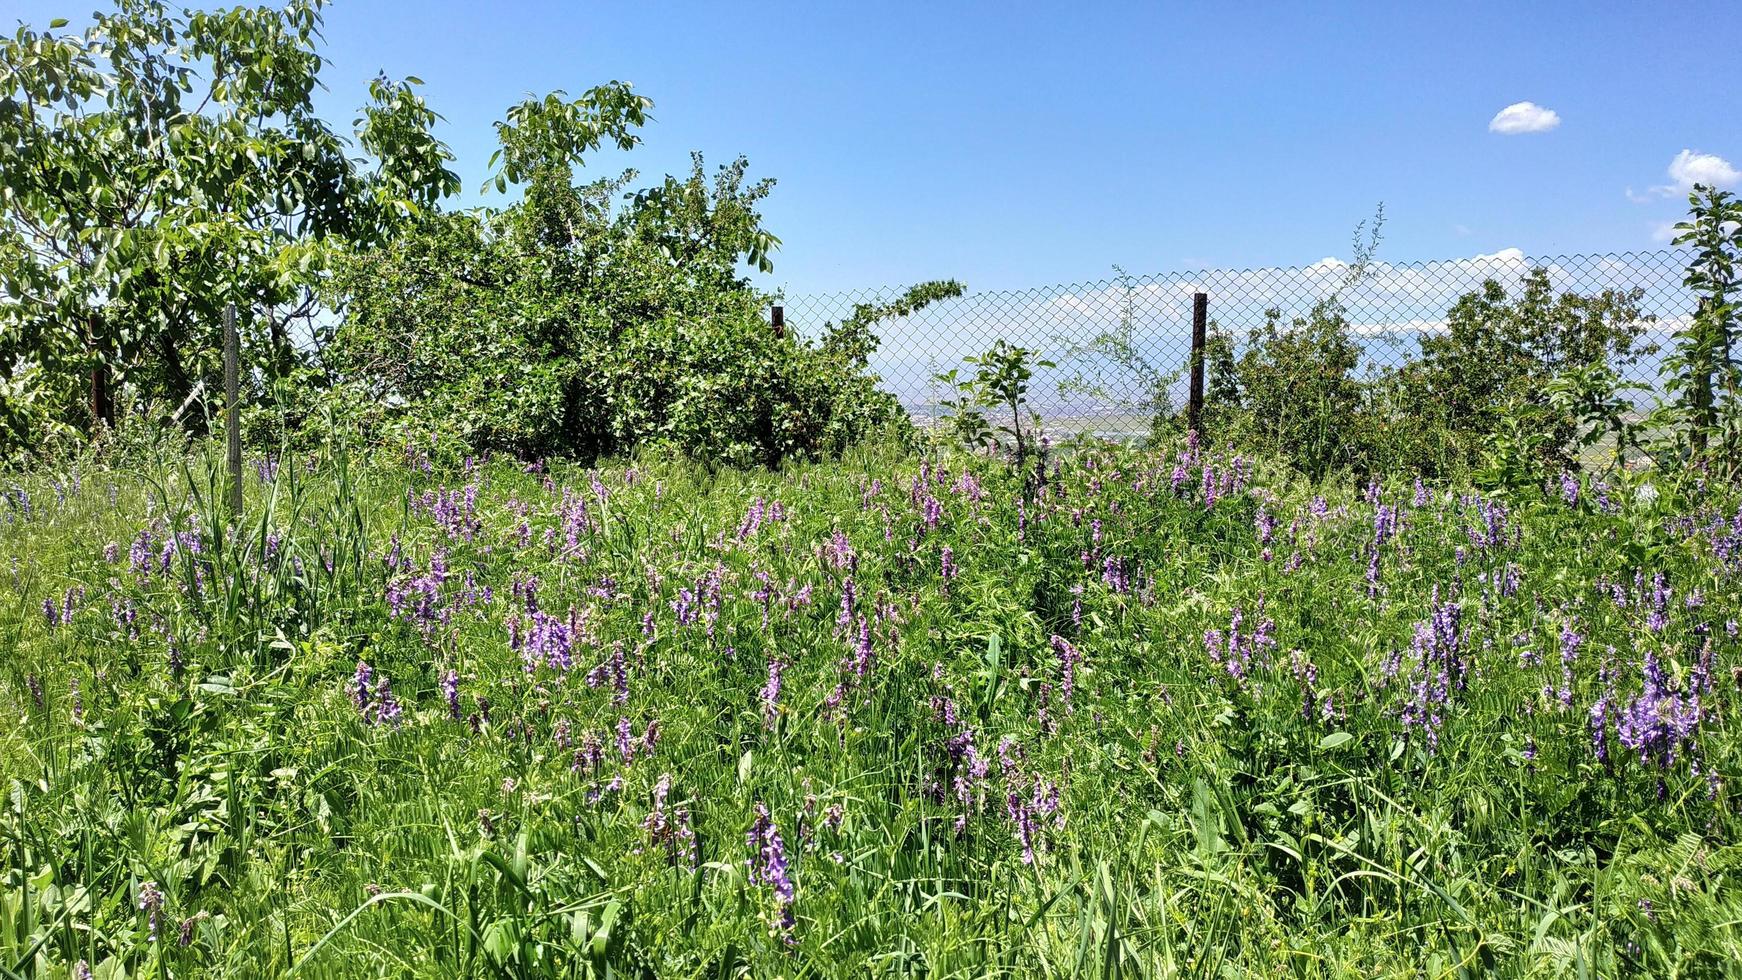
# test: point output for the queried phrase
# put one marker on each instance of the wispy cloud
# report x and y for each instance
(1691, 167)
(1523, 117)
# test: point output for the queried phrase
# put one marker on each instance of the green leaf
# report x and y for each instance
(1335, 740)
(602, 938)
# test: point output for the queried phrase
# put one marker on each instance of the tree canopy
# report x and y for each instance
(160, 165)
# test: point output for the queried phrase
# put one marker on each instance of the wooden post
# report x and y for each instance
(233, 408)
(1200, 326)
(777, 318)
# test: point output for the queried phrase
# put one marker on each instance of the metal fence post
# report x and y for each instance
(777, 319)
(1200, 326)
(233, 408)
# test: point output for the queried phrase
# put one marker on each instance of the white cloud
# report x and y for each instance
(1400, 328)
(1393, 305)
(1523, 117)
(1398, 298)
(1690, 168)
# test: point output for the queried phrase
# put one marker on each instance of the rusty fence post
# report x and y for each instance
(1200, 326)
(777, 319)
(233, 408)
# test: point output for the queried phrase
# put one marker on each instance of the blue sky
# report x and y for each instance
(1011, 145)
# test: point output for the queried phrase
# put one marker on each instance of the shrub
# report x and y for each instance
(1702, 372)
(1292, 390)
(1298, 390)
(1000, 385)
(569, 325)
(159, 166)
(1495, 364)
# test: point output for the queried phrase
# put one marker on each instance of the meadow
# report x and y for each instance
(583, 617)
(1172, 711)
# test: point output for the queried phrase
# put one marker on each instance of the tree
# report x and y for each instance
(1500, 352)
(852, 339)
(1703, 368)
(158, 166)
(586, 318)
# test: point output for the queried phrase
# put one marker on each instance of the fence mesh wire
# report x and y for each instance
(1389, 307)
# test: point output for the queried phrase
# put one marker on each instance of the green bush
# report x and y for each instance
(1298, 389)
(1495, 364)
(1293, 389)
(569, 325)
(1703, 416)
(160, 166)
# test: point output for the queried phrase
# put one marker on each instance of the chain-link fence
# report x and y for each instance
(1123, 344)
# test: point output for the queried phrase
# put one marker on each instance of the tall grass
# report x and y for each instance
(1179, 714)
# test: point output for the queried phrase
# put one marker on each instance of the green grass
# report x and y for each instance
(193, 726)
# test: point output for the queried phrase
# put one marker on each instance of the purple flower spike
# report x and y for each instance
(768, 866)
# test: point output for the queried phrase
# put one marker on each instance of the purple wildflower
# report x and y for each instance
(768, 866)
(151, 903)
(1660, 723)
(1069, 659)
(625, 741)
(1236, 650)
(1437, 666)
(387, 707)
(1022, 816)
(1600, 712)
(1114, 574)
(771, 691)
(1265, 522)
(619, 675)
(363, 686)
(451, 692)
(672, 832)
(1658, 618)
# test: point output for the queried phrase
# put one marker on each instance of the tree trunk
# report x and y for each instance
(102, 399)
(102, 396)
